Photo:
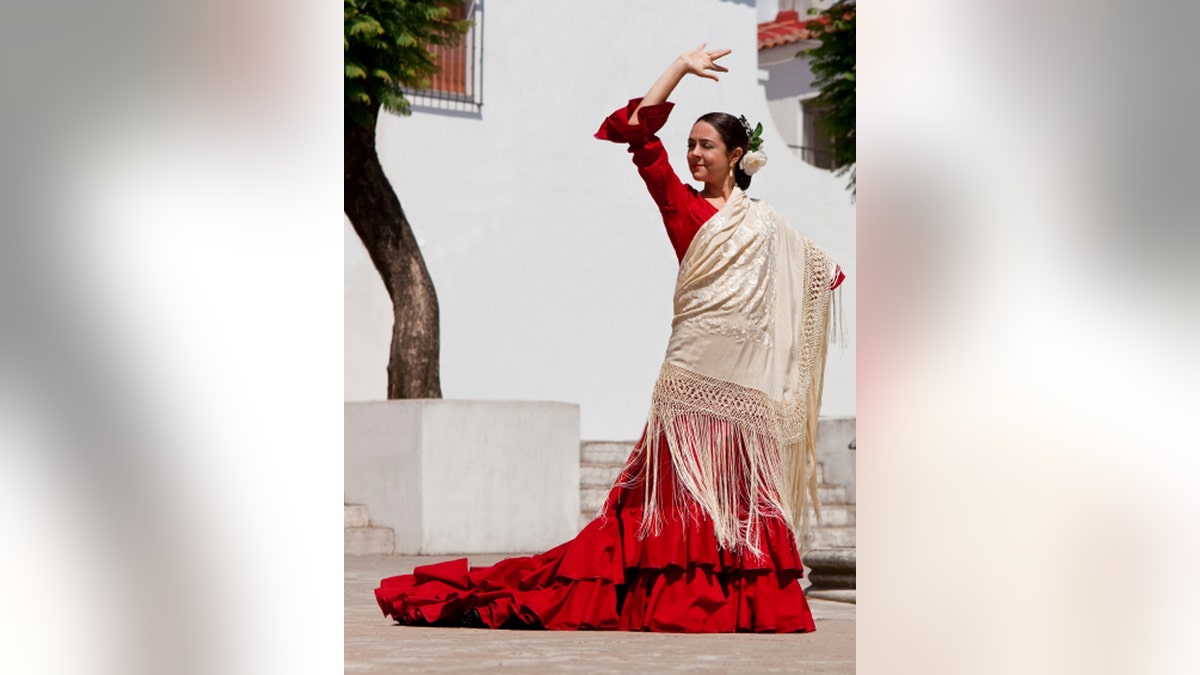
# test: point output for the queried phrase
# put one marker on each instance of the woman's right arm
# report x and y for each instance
(697, 61)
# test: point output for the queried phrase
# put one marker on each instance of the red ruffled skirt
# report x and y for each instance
(608, 578)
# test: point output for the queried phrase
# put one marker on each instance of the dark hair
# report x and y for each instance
(734, 135)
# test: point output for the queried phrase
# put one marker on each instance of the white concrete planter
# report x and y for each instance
(466, 476)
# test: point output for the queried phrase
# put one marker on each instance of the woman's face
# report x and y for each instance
(708, 158)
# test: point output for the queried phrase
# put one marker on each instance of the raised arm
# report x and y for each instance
(697, 61)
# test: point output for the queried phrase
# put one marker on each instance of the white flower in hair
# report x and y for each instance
(753, 161)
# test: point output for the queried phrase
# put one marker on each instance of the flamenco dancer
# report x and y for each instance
(698, 533)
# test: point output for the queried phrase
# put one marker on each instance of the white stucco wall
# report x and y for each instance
(787, 82)
(767, 9)
(554, 274)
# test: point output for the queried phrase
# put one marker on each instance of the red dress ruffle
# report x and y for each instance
(608, 578)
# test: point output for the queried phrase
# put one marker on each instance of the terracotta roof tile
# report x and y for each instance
(784, 30)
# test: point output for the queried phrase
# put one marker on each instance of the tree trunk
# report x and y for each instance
(377, 217)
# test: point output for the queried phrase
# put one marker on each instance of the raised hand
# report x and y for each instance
(700, 62)
(697, 61)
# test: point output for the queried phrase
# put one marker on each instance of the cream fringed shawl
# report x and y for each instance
(736, 402)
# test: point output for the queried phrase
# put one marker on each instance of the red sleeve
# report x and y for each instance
(838, 278)
(675, 200)
(616, 127)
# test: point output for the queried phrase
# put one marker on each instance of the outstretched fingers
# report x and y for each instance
(701, 62)
(718, 53)
(711, 62)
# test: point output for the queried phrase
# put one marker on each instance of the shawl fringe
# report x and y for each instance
(736, 454)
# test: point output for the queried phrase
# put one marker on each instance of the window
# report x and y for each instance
(459, 85)
(815, 144)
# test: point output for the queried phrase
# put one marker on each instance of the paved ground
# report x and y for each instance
(373, 644)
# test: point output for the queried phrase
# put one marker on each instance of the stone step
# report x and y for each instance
(836, 515)
(599, 475)
(370, 540)
(356, 515)
(607, 465)
(605, 452)
(830, 537)
(592, 498)
(832, 494)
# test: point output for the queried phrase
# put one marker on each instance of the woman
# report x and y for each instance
(697, 534)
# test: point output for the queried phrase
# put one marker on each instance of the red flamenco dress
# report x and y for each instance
(606, 578)
(612, 575)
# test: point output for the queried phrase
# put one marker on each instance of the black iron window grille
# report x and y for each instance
(816, 146)
(458, 87)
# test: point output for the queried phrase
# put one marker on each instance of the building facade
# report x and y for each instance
(553, 271)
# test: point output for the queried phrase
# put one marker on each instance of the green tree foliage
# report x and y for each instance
(387, 50)
(833, 67)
